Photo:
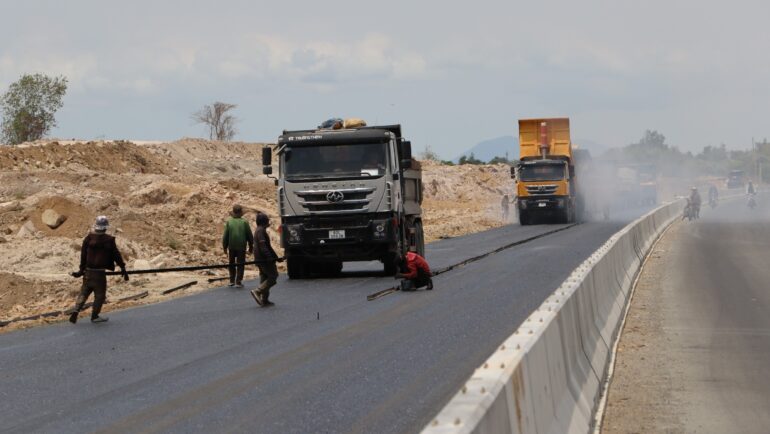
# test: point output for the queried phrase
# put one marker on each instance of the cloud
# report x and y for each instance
(76, 67)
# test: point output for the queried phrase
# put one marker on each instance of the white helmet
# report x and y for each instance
(101, 223)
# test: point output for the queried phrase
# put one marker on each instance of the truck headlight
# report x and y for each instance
(560, 203)
(523, 204)
(293, 234)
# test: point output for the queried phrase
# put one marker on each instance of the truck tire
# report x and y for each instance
(420, 238)
(296, 268)
(391, 267)
(580, 209)
(524, 219)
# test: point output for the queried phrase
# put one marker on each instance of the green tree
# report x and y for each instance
(470, 159)
(500, 160)
(29, 106)
(654, 139)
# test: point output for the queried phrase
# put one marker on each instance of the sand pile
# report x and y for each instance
(463, 199)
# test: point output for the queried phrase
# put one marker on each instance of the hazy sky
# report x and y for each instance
(453, 73)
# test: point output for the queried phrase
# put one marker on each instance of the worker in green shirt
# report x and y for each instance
(236, 241)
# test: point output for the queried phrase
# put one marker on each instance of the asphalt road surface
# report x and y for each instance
(322, 360)
(702, 342)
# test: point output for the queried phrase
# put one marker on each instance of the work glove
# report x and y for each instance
(125, 274)
(77, 274)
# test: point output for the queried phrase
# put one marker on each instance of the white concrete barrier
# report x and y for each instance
(547, 376)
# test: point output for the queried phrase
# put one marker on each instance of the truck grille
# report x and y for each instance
(335, 201)
(541, 190)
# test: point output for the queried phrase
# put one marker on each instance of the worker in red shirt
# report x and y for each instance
(416, 273)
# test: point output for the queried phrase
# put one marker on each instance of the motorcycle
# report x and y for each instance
(689, 211)
(713, 202)
(752, 203)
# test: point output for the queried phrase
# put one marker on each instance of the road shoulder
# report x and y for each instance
(640, 394)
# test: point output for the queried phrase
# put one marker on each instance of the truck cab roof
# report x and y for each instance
(371, 134)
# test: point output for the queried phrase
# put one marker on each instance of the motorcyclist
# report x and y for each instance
(695, 201)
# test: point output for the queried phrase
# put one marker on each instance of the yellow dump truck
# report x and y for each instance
(546, 181)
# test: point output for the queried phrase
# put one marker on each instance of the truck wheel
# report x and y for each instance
(391, 266)
(524, 219)
(296, 268)
(570, 214)
(420, 241)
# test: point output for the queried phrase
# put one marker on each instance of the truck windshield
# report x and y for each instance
(335, 161)
(545, 172)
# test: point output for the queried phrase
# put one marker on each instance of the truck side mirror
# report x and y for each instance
(406, 154)
(513, 172)
(267, 161)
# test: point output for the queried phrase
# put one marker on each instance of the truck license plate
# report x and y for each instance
(336, 235)
(542, 204)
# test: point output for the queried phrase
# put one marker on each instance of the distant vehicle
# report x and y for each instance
(648, 184)
(736, 179)
(348, 194)
(628, 186)
(546, 181)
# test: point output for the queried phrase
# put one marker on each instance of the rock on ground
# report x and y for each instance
(53, 219)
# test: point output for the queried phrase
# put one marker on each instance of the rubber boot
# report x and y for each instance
(257, 296)
(265, 297)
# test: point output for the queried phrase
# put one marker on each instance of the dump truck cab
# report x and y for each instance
(346, 195)
(545, 176)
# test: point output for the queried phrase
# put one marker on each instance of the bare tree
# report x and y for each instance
(215, 116)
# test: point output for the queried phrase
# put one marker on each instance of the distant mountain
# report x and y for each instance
(497, 147)
(489, 149)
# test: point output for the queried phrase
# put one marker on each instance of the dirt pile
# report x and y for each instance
(104, 157)
(463, 199)
(167, 203)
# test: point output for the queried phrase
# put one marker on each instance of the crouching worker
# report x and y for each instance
(98, 254)
(265, 257)
(416, 273)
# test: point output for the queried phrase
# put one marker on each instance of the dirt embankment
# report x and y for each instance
(167, 203)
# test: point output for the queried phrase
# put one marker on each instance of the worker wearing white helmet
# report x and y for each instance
(98, 254)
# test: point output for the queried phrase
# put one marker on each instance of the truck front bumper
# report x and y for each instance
(543, 203)
(354, 238)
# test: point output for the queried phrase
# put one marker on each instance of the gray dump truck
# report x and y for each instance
(346, 195)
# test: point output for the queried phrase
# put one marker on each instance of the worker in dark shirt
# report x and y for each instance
(266, 259)
(236, 241)
(98, 254)
(416, 273)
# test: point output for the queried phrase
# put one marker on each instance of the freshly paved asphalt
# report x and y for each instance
(323, 360)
